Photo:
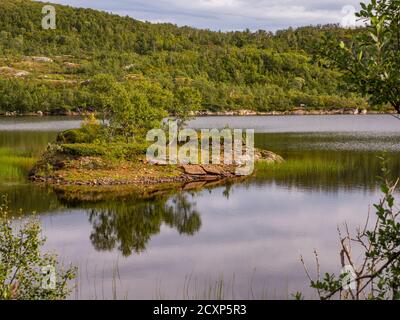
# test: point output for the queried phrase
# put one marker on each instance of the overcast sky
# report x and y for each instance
(228, 15)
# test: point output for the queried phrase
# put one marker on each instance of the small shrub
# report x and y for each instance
(25, 272)
(71, 136)
(90, 131)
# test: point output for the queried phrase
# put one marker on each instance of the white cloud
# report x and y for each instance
(227, 14)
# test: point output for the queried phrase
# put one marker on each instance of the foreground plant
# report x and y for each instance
(25, 272)
(371, 61)
(377, 277)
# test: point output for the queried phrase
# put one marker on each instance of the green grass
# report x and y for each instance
(300, 167)
(14, 164)
(111, 150)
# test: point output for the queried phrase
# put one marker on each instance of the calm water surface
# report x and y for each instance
(249, 234)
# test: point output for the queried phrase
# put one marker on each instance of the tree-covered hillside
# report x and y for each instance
(181, 67)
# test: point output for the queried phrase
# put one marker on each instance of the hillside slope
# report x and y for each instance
(257, 71)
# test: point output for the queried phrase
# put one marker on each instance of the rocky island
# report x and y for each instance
(69, 165)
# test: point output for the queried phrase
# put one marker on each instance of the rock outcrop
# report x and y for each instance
(8, 71)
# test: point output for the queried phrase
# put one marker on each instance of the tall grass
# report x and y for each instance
(14, 164)
(101, 284)
(297, 167)
(306, 172)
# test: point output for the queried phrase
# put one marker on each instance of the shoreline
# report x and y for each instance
(295, 112)
(236, 113)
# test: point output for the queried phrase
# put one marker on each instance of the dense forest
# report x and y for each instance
(172, 67)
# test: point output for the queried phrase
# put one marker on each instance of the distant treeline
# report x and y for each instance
(259, 71)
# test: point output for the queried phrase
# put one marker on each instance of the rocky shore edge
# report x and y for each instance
(294, 112)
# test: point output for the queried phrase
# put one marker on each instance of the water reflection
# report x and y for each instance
(129, 225)
(30, 198)
(331, 161)
(265, 222)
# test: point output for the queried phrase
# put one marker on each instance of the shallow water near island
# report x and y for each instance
(247, 236)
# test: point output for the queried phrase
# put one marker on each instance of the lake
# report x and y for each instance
(243, 240)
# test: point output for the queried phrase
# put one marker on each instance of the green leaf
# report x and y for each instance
(374, 37)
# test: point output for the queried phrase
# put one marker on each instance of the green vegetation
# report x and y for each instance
(26, 272)
(307, 172)
(14, 165)
(371, 60)
(113, 141)
(146, 70)
(325, 170)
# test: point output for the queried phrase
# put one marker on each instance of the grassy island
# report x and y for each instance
(90, 157)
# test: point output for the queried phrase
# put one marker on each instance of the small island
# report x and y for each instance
(86, 157)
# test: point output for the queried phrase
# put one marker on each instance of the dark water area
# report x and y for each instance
(249, 234)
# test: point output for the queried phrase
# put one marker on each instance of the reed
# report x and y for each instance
(301, 168)
(14, 164)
